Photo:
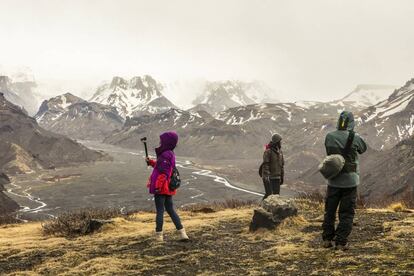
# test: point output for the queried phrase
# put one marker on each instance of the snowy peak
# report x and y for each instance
(368, 94)
(287, 114)
(62, 102)
(134, 97)
(395, 103)
(74, 117)
(260, 92)
(52, 109)
(392, 120)
(118, 82)
(221, 95)
(146, 83)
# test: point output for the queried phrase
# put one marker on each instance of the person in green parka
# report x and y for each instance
(342, 189)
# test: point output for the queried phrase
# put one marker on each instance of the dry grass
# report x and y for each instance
(215, 206)
(398, 207)
(8, 219)
(315, 196)
(406, 202)
(78, 223)
(221, 245)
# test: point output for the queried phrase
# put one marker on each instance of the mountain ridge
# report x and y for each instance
(77, 118)
(138, 96)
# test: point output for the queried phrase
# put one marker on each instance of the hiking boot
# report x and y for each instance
(183, 235)
(159, 237)
(343, 247)
(327, 244)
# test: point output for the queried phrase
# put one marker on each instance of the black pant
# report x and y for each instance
(346, 199)
(165, 201)
(272, 187)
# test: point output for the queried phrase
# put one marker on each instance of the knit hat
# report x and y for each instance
(276, 138)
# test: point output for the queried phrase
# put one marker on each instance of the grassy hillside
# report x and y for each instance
(221, 245)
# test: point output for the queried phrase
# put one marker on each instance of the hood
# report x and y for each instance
(168, 141)
(346, 121)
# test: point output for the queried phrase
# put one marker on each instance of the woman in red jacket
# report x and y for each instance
(159, 181)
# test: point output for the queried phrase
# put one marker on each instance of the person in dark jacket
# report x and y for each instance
(342, 189)
(273, 166)
(159, 181)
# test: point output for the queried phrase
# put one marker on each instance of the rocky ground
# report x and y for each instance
(221, 244)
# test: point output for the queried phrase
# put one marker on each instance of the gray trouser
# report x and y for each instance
(165, 202)
(272, 186)
(345, 198)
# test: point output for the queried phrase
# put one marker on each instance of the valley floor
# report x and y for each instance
(221, 244)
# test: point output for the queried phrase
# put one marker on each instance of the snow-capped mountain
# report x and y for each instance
(361, 97)
(74, 117)
(288, 114)
(390, 121)
(138, 96)
(221, 95)
(21, 92)
(52, 109)
(366, 95)
(243, 115)
(184, 92)
(260, 92)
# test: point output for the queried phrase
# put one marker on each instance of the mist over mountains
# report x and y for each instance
(229, 120)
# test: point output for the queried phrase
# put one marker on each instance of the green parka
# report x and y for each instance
(335, 143)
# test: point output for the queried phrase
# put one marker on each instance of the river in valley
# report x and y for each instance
(120, 183)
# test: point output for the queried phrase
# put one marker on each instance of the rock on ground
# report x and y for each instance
(273, 210)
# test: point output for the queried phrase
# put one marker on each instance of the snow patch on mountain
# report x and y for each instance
(260, 92)
(369, 94)
(51, 110)
(221, 95)
(397, 102)
(139, 95)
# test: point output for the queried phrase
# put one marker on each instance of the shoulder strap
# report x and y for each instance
(349, 142)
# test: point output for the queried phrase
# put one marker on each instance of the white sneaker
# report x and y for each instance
(159, 237)
(183, 235)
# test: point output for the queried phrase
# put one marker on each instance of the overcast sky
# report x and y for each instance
(306, 49)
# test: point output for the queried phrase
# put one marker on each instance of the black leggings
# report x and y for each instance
(272, 187)
(165, 202)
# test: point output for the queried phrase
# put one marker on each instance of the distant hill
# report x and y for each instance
(72, 116)
(25, 146)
